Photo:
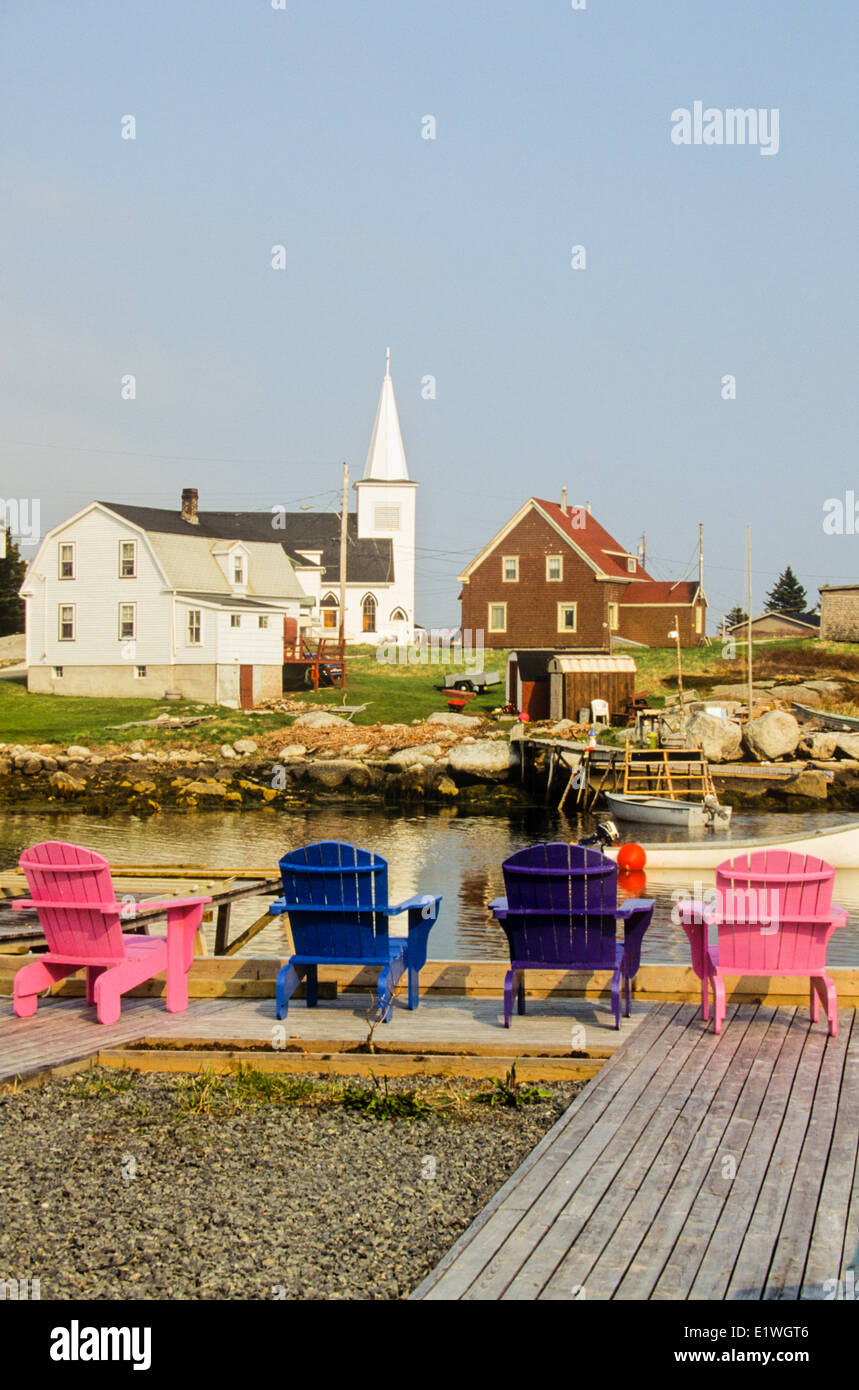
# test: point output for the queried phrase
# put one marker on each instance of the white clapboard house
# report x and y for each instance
(126, 600)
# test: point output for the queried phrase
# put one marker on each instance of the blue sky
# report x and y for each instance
(302, 127)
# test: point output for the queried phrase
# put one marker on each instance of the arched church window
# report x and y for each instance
(398, 616)
(330, 613)
(368, 614)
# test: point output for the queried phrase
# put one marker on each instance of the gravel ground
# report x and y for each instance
(114, 1188)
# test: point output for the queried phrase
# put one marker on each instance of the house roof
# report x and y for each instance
(227, 601)
(599, 546)
(809, 620)
(681, 592)
(367, 561)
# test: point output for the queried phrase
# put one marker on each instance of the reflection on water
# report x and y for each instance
(457, 856)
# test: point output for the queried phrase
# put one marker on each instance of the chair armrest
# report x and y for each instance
(633, 906)
(167, 903)
(419, 902)
(498, 908)
(840, 913)
(696, 914)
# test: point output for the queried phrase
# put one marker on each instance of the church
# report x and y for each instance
(380, 555)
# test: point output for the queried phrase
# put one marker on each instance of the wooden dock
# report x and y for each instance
(692, 1167)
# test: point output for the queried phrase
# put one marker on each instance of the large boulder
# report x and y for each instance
(720, 740)
(320, 719)
(485, 759)
(334, 774)
(245, 745)
(848, 744)
(773, 735)
(802, 694)
(821, 746)
(421, 753)
(454, 721)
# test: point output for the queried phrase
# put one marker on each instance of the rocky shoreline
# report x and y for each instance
(448, 760)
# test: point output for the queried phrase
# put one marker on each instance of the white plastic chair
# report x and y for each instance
(600, 711)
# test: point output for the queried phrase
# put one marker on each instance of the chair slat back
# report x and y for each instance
(80, 879)
(768, 902)
(561, 903)
(337, 878)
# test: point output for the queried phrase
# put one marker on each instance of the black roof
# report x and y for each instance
(367, 561)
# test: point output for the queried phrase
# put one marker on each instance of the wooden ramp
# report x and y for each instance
(692, 1167)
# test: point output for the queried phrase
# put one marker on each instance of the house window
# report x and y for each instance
(139, 672)
(235, 620)
(128, 559)
(195, 623)
(66, 622)
(58, 673)
(368, 614)
(699, 619)
(387, 519)
(330, 614)
(127, 621)
(554, 568)
(238, 569)
(631, 564)
(498, 617)
(67, 560)
(510, 569)
(614, 616)
(566, 617)
(263, 620)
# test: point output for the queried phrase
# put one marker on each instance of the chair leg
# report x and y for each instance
(288, 980)
(705, 998)
(508, 997)
(311, 979)
(615, 997)
(414, 987)
(107, 998)
(813, 1000)
(31, 980)
(718, 1003)
(628, 991)
(521, 992)
(824, 988)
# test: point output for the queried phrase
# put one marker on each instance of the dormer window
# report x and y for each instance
(127, 559)
(631, 564)
(238, 569)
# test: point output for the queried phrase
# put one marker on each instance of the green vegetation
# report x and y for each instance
(393, 694)
(510, 1094)
(787, 594)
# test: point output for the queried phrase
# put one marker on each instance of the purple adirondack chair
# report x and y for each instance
(561, 912)
(774, 915)
(74, 896)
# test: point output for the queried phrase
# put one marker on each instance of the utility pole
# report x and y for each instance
(701, 557)
(642, 551)
(749, 695)
(344, 522)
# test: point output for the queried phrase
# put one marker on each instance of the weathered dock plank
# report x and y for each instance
(692, 1167)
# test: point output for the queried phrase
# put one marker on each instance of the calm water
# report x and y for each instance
(457, 856)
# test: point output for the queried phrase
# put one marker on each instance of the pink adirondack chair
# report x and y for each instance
(74, 896)
(774, 915)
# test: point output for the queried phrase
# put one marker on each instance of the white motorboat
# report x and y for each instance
(838, 847)
(660, 810)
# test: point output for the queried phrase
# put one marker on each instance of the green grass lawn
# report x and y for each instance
(393, 694)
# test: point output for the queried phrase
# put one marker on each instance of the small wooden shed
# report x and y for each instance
(576, 680)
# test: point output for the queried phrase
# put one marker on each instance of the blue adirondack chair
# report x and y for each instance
(336, 898)
(561, 912)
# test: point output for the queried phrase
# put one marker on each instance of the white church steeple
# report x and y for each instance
(386, 459)
(386, 512)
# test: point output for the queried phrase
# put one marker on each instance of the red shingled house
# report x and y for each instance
(553, 577)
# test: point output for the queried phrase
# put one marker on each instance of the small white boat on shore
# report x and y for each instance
(838, 847)
(659, 810)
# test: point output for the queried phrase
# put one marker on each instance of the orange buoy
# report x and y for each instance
(631, 857)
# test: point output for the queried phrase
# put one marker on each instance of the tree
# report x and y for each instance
(12, 571)
(736, 615)
(787, 594)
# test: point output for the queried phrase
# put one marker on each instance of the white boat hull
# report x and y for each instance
(657, 810)
(838, 847)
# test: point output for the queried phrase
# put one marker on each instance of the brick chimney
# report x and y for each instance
(189, 506)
